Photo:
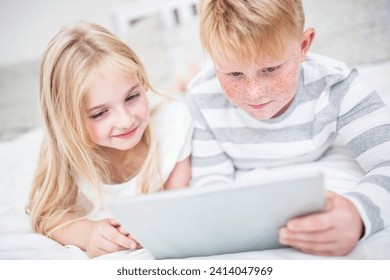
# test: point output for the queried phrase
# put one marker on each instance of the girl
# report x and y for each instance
(100, 141)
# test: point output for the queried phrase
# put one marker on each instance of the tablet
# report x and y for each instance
(219, 219)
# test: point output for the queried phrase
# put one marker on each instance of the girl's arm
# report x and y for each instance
(95, 237)
(180, 177)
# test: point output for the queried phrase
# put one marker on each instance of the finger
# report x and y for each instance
(119, 227)
(133, 243)
(122, 230)
(316, 237)
(320, 221)
(323, 253)
(139, 246)
(323, 249)
(330, 197)
(108, 246)
(311, 223)
(114, 223)
(113, 235)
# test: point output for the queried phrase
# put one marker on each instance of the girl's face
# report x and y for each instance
(117, 111)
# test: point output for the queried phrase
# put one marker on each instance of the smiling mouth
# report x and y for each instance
(260, 106)
(129, 133)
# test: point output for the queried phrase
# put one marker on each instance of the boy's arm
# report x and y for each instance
(364, 125)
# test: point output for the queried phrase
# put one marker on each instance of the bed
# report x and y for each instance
(19, 157)
(17, 241)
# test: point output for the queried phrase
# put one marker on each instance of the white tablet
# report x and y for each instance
(218, 219)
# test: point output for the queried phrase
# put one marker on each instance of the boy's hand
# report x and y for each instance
(333, 232)
(107, 236)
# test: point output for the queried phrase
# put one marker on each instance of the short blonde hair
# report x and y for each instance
(245, 30)
(68, 67)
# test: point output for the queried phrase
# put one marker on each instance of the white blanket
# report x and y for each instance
(17, 166)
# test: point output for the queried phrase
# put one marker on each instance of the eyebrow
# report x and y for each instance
(234, 70)
(275, 66)
(104, 105)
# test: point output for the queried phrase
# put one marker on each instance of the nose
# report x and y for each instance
(124, 118)
(255, 89)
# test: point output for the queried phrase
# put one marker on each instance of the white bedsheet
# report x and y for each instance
(17, 165)
(17, 241)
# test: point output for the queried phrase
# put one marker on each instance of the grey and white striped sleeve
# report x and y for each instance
(364, 125)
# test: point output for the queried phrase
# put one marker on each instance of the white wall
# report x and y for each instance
(356, 31)
(26, 26)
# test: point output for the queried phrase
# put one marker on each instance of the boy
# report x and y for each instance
(267, 103)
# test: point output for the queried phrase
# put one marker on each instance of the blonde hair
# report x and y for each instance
(72, 59)
(243, 31)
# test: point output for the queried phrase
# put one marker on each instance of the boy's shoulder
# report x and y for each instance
(325, 60)
(205, 82)
(317, 66)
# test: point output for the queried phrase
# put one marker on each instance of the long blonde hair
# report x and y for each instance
(70, 62)
(243, 31)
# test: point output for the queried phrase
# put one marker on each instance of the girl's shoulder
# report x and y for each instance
(173, 126)
(169, 110)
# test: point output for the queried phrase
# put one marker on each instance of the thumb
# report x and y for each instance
(330, 197)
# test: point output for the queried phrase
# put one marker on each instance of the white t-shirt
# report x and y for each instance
(173, 128)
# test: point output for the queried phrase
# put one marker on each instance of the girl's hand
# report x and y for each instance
(333, 232)
(107, 236)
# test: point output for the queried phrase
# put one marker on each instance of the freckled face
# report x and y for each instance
(117, 111)
(265, 89)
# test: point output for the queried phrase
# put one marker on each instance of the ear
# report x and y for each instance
(307, 40)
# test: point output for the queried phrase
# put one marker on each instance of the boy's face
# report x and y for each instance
(117, 111)
(264, 89)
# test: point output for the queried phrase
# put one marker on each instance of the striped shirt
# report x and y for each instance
(332, 103)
